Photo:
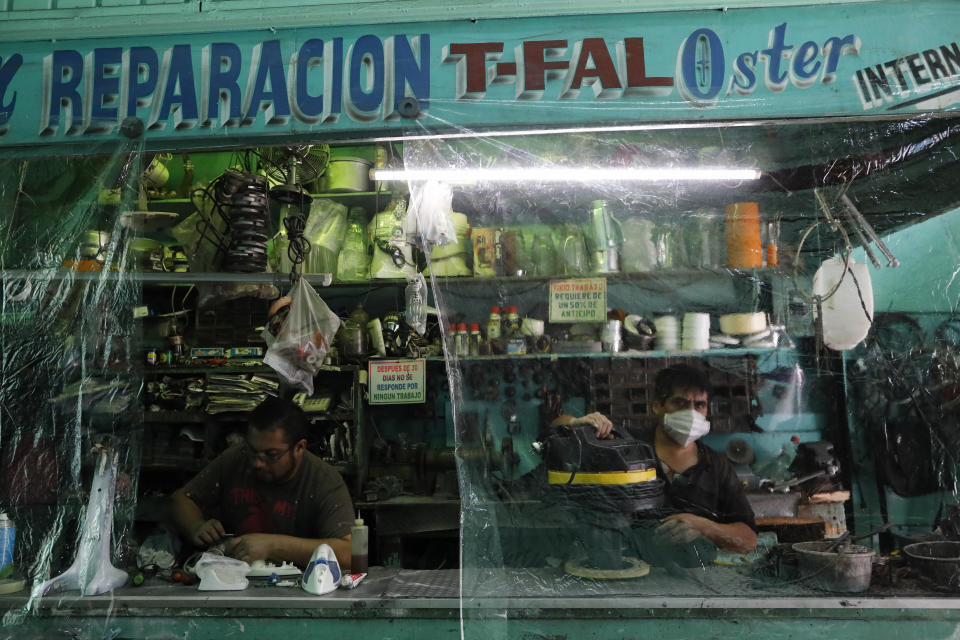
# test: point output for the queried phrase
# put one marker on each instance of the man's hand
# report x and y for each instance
(250, 547)
(207, 533)
(598, 421)
(681, 528)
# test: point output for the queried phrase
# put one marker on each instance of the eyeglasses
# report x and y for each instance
(265, 456)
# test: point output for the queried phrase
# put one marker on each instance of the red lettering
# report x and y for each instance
(603, 69)
(535, 64)
(637, 66)
(475, 58)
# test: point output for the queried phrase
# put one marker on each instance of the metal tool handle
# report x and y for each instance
(856, 215)
(825, 208)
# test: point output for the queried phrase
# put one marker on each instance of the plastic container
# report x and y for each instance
(8, 536)
(463, 340)
(493, 324)
(938, 562)
(451, 339)
(513, 322)
(359, 536)
(845, 323)
(744, 239)
(474, 340)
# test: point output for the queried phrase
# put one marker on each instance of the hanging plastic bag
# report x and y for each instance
(432, 208)
(304, 339)
(353, 263)
(451, 259)
(416, 295)
(203, 235)
(326, 229)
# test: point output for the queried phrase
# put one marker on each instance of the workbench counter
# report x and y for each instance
(500, 603)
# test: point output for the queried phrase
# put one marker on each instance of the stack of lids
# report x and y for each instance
(696, 331)
(668, 333)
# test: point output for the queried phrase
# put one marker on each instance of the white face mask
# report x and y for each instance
(685, 426)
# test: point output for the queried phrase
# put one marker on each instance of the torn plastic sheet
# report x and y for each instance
(598, 287)
(670, 259)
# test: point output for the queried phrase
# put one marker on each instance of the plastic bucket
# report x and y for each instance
(744, 247)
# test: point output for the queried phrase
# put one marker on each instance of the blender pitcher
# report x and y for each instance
(604, 237)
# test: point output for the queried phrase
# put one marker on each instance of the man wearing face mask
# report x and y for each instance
(268, 498)
(701, 487)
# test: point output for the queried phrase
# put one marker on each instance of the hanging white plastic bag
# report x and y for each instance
(416, 296)
(325, 229)
(304, 339)
(848, 313)
(431, 204)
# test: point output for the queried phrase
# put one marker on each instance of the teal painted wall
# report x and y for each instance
(40, 19)
(927, 279)
(927, 285)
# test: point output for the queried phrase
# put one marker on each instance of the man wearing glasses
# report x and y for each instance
(269, 498)
(701, 489)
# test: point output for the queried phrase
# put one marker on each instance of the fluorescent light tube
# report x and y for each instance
(568, 174)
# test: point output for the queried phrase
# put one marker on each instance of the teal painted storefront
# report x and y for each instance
(132, 78)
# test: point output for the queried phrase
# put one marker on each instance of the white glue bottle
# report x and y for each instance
(358, 546)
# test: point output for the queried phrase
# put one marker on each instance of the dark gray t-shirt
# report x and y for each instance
(314, 503)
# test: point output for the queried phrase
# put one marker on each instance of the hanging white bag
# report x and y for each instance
(848, 313)
(304, 339)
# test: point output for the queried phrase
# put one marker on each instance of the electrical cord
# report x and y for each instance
(298, 246)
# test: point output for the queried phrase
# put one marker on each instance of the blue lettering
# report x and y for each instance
(270, 69)
(335, 87)
(701, 67)
(744, 79)
(66, 75)
(106, 88)
(224, 88)
(308, 106)
(805, 66)
(366, 58)
(141, 77)
(7, 70)
(833, 48)
(406, 71)
(776, 80)
(179, 88)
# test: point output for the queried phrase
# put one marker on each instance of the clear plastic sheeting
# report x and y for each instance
(614, 380)
(601, 259)
(68, 393)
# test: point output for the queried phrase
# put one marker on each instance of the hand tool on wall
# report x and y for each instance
(862, 222)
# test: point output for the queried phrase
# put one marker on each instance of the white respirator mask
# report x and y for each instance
(685, 426)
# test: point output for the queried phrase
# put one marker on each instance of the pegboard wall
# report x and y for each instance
(623, 389)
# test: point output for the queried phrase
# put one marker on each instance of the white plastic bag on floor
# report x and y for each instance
(304, 339)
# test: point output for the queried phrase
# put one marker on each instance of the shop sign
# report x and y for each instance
(787, 61)
(396, 381)
(578, 300)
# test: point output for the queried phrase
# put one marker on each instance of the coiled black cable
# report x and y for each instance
(249, 216)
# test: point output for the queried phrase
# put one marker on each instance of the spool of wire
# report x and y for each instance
(249, 217)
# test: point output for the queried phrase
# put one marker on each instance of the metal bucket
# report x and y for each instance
(346, 175)
(938, 562)
(829, 567)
